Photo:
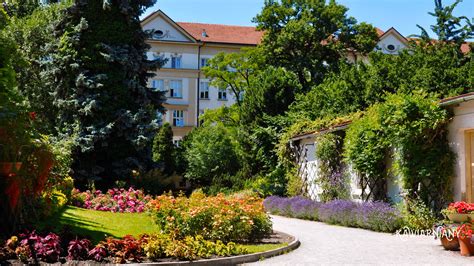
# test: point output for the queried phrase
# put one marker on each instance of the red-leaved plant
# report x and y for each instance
(46, 248)
(78, 249)
(98, 253)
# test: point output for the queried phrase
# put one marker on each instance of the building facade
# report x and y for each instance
(187, 48)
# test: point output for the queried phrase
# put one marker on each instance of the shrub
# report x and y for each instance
(190, 248)
(377, 216)
(298, 207)
(338, 212)
(46, 248)
(123, 250)
(78, 249)
(218, 217)
(114, 200)
(98, 253)
(417, 216)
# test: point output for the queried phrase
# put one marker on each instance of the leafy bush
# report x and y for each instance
(78, 249)
(417, 216)
(190, 248)
(114, 200)
(128, 249)
(47, 248)
(225, 218)
(377, 216)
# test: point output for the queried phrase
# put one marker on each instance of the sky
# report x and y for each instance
(400, 14)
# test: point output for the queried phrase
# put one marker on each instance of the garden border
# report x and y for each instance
(234, 260)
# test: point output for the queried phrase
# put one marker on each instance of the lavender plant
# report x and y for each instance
(376, 216)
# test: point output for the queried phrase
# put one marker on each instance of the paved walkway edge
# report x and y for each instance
(294, 244)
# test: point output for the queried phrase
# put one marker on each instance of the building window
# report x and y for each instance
(204, 62)
(175, 61)
(222, 94)
(204, 90)
(178, 118)
(176, 88)
(158, 84)
(176, 142)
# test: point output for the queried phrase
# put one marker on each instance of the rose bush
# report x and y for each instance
(225, 218)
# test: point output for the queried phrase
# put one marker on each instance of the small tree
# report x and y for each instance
(211, 155)
(164, 149)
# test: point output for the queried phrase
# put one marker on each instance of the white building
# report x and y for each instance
(188, 46)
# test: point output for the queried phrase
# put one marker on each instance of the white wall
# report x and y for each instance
(170, 32)
(463, 120)
(390, 39)
(308, 169)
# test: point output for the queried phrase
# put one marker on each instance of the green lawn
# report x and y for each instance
(97, 225)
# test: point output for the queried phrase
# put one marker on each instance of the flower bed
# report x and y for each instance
(32, 248)
(114, 200)
(219, 217)
(377, 216)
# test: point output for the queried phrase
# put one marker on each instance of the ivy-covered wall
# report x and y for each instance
(404, 137)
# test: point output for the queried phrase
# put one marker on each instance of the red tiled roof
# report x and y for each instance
(379, 31)
(223, 33)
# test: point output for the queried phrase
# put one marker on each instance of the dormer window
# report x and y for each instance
(158, 34)
(204, 33)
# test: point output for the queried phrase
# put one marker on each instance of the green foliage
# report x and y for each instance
(272, 91)
(99, 84)
(415, 127)
(33, 34)
(448, 27)
(211, 155)
(367, 150)
(190, 248)
(225, 218)
(164, 149)
(332, 174)
(416, 215)
(309, 37)
(234, 71)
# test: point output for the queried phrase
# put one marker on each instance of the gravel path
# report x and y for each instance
(329, 244)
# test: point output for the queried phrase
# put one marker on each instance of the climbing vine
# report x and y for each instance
(412, 130)
(332, 173)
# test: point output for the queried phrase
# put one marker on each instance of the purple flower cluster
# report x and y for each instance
(377, 216)
(298, 207)
(114, 200)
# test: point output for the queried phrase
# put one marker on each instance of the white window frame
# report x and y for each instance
(178, 118)
(158, 84)
(176, 61)
(176, 92)
(222, 94)
(204, 90)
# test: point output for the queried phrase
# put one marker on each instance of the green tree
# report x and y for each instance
(98, 73)
(211, 155)
(32, 33)
(448, 27)
(164, 149)
(310, 37)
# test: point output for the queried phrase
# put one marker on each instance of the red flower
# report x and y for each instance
(32, 115)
